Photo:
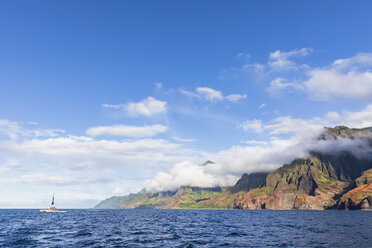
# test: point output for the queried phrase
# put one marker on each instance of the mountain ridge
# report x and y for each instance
(322, 181)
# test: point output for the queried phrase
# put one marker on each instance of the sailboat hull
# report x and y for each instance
(51, 210)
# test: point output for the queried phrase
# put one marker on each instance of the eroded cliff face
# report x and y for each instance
(365, 178)
(359, 197)
(303, 184)
(326, 180)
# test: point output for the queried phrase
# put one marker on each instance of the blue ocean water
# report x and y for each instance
(185, 228)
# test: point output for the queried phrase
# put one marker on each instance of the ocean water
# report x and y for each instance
(185, 228)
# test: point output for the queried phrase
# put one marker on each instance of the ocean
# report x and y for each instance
(185, 228)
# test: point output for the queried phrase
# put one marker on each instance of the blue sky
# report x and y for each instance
(105, 97)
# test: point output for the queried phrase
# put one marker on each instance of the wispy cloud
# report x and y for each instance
(244, 56)
(14, 130)
(235, 97)
(182, 140)
(279, 84)
(46, 179)
(209, 94)
(279, 60)
(127, 131)
(255, 125)
(344, 78)
(147, 107)
(212, 95)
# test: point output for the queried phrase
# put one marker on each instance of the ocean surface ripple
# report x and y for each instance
(185, 228)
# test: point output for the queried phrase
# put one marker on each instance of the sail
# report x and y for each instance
(53, 200)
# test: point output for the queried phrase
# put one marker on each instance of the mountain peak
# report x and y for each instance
(333, 133)
(207, 162)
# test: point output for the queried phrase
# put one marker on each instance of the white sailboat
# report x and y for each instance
(51, 208)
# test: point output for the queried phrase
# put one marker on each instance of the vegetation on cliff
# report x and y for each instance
(326, 180)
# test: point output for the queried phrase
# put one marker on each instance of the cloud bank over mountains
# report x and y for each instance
(263, 156)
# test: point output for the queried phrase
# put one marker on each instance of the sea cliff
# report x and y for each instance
(339, 179)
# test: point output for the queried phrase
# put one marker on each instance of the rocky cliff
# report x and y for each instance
(184, 197)
(325, 180)
(359, 197)
(319, 182)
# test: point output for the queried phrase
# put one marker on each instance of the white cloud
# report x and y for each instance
(254, 142)
(212, 95)
(62, 162)
(235, 97)
(114, 106)
(14, 130)
(188, 174)
(278, 84)
(127, 131)
(279, 60)
(309, 127)
(361, 59)
(88, 151)
(332, 116)
(70, 159)
(10, 129)
(348, 78)
(286, 124)
(123, 191)
(147, 107)
(244, 56)
(344, 78)
(255, 125)
(358, 119)
(262, 106)
(182, 140)
(189, 93)
(46, 179)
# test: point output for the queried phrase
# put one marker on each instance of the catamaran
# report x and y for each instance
(51, 209)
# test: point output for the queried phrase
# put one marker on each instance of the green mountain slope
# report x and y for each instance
(318, 182)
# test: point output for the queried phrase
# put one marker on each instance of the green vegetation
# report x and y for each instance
(197, 206)
(360, 196)
(262, 191)
(322, 176)
(345, 196)
(301, 195)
